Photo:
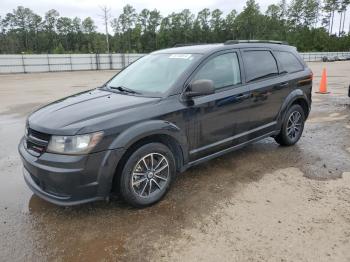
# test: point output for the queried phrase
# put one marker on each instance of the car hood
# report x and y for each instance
(69, 115)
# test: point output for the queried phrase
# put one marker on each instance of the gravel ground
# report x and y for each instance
(260, 203)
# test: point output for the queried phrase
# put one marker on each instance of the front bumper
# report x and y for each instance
(68, 180)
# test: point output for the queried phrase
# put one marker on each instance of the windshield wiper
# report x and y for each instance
(124, 89)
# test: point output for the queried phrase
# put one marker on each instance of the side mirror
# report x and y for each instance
(200, 87)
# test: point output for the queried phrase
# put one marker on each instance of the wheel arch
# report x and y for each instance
(304, 105)
(154, 131)
(297, 96)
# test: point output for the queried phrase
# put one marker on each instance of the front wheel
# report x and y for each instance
(292, 126)
(147, 175)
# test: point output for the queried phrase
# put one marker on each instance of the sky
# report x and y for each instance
(85, 8)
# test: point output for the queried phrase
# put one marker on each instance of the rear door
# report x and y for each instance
(264, 80)
(292, 71)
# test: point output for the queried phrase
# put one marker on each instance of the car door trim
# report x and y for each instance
(227, 150)
(194, 151)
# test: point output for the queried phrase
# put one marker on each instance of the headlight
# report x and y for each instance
(74, 145)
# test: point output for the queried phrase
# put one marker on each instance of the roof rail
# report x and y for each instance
(189, 44)
(233, 42)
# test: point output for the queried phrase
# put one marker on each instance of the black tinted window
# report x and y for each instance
(223, 70)
(259, 64)
(289, 62)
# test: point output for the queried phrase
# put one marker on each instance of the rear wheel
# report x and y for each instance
(147, 175)
(292, 126)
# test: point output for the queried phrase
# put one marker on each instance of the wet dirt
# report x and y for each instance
(260, 203)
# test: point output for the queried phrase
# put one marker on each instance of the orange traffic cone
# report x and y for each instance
(323, 84)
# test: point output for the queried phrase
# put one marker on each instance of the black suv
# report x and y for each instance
(166, 112)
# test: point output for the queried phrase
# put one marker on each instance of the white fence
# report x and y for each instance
(64, 62)
(73, 62)
(317, 56)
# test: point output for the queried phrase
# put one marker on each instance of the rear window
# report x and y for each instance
(259, 64)
(289, 62)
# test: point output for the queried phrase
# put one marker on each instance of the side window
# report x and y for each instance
(289, 62)
(259, 64)
(223, 70)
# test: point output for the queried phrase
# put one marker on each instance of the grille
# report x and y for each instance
(36, 142)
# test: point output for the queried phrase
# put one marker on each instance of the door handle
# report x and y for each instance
(242, 96)
(282, 85)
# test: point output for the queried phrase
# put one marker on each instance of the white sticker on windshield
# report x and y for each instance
(181, 56)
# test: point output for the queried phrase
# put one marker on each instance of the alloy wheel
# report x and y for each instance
(294, 125)
(150, 175)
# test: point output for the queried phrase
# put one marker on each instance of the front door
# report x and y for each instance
(219, 116)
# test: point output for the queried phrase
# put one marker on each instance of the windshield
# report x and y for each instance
(153, 74)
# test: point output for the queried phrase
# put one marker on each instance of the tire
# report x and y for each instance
(291, 133)
(143, 184)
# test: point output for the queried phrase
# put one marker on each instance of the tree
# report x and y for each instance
(311, 12)
(36, 26)
(115, 23)
(89, 29)
(275, 22)
(330, 6)
(186, 20)
(2, 26)
(59, 49)
(154, 20)
(88, 26)
(216, 25)
(22, 20)
(230, 23)
(203, 18)
(164, 32)
(176, 31)
(76, 25)
(153, 23)
(143, 20)
(51, 17)
(296, 13)
(343, 6)
(273, 11)
(106, 16)
(249, 21)
(64, 27)
(126, 21)
(21, 30)
(283, 9)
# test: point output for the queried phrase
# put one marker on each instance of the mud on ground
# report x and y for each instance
(261, 203)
